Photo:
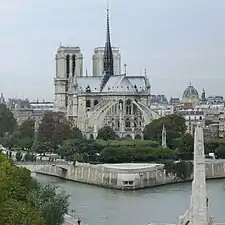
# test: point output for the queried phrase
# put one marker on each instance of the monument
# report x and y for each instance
(164, 144)
(197, 213)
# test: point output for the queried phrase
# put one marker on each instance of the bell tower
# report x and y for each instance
(69, 60)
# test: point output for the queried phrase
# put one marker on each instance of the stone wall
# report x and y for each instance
(125, 179)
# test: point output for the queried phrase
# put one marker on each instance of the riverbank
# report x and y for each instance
(126, 176)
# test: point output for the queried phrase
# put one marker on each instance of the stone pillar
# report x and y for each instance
(164, 145)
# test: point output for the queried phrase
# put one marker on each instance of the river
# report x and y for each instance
(96, 205)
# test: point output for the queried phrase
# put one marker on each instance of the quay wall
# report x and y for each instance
(125, 179)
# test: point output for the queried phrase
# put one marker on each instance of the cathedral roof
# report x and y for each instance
(119, 83)
(93, 82)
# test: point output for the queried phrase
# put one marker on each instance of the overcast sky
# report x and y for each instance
(177, 41)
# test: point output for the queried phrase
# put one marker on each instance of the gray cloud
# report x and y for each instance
(177, 41)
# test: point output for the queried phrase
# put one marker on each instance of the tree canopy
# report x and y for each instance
(7, 120)
(186, 147)
(50, 203)
(54, 129)
(175, 128)
(107, 133)
(15, 184)
(23, 201)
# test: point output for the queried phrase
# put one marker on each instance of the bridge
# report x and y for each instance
(197, 213)
(37, 166)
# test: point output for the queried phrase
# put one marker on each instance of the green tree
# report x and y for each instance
(81, 147)
(15, 182)
(107, 133)
(22, 201)
(186, 147)
(220, 151)
(54, 129)
(19, 213)
(175, 128)
(25, 143)
(26, 129)
(125, 154)
(41, 147)
(7, 120)
(52, 204)
(10, 141)
(76, 133)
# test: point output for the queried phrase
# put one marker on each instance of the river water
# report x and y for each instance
(96, 205)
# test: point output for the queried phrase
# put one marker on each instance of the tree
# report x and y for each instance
(26, 129)
(19, 213)
(74, 149)
(10, 141)
(107, 133)
(23, 201)
(7, 120)
(125, 154)
(220, 151)
(186, 147)
(41, 147)
(175, 128)
(51, 204)
(15, 182)
(25, 143)
(76, 133)
(54, 129)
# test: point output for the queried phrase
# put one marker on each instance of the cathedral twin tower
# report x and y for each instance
(68, 56)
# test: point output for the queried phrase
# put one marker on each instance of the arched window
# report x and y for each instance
(120, 105)
(95, 102)
(73, 64)
(67, 66)
(88, 104)
(128, 107)
(138, 136)
(127, 123)
(135, 122)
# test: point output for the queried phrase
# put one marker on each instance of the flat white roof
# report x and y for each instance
(130, 165)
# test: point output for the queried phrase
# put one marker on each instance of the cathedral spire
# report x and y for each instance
(108, 55)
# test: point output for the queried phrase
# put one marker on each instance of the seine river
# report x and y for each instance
(96, 205)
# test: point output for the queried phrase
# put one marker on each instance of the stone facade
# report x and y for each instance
(123, 176)
(120, 101)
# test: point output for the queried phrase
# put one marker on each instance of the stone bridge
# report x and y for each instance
(39, 166)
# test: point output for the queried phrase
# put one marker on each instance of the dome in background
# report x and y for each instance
(190, 95)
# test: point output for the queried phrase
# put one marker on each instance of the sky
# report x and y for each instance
(177, 41)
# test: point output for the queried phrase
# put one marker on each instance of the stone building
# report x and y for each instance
(23, 109)
(190, 98)
(91, 102)
(192, 117)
